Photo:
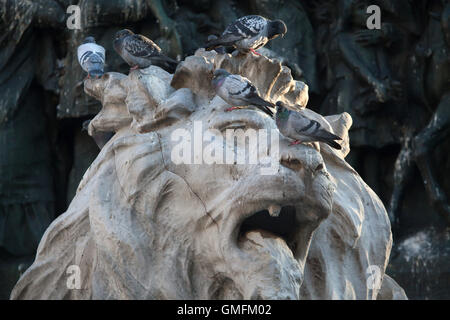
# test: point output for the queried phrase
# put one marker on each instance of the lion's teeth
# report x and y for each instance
(274, 210)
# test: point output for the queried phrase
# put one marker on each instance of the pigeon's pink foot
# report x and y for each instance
(134, 68)
(257, 53)
(295, 142)
(231, 109)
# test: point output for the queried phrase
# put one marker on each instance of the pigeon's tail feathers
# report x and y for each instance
(168, 64)
(226, 41)
(213, 43)
(262, 104)
(268, 112)
(329, 138)
(316, 132)
(328, 135)
(166, 59)
(171, 67)
(333, 144)
(258, 101)
(315, 129)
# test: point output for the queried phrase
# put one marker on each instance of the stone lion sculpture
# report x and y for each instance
(144, 225)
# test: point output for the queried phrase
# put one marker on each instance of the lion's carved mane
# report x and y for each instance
(142, 227)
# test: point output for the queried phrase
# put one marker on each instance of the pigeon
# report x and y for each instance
(239, 92)
(141, 52)
(248, 34)
(91, 57)
(295, 125)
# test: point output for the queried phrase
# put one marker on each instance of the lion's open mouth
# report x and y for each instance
(282, 224)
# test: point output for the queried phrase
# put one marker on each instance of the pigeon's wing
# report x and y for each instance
(227, 39)
(309, 127)
(96, 57)
(302, 125)
(140, 46)
(243, 28)
(93, 61)
(250, 93)
(85, 59)
(89, 55)
(254, 98)
(241, 88)
(238, 87)
(305, 127)
(246, 27)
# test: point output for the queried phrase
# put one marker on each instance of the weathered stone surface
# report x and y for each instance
(145, 226)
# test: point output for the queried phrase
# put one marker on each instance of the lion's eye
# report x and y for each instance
(232, 122)
(233, 125)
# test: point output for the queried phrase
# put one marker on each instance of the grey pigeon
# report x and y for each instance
(141, 52)
(91, 57)
(248, 34)
(238, 91)
(295, 125)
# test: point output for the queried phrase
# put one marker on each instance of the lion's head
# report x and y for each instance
(158, 215)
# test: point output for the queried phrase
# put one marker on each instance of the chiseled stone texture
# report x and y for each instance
(143, 227)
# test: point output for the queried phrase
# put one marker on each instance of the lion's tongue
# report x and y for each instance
(272, 273)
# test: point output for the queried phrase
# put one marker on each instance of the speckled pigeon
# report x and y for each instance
(141, 52)
(248, 34)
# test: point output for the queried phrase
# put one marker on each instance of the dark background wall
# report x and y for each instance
(394, 82)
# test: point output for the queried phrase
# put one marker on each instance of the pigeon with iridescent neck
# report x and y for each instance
(239, 92)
